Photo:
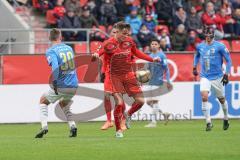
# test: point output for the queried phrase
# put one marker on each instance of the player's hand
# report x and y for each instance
(95, 56)
(195, 72)
(225, 79)
(55, 87)
(156, 59)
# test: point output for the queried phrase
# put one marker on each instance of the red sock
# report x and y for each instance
(123, 110)
(135, 107)
(117, 116)
(108, 109)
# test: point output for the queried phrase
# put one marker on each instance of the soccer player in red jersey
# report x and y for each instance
(118, 52)
(107, 93)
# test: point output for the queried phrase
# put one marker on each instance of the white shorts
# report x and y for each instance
(65, 94)
(214, 85)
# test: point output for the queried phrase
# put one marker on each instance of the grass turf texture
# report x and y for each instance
(179, 140)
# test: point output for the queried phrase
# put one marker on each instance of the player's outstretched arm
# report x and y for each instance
(99, 52)
(142, 55)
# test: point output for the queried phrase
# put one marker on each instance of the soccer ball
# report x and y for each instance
(143, 76)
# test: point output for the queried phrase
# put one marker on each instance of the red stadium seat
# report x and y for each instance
(80, 48)
(161, 27)
(35, 3)
(83, 2)
(236, 45)
(94, 45)
(226, 44)
(50, 17)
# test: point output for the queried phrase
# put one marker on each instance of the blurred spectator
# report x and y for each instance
(236, 17)
(228, 22)
(149, 22)
(134, 20)
(150, 9)
(216, 3)
(180, 17)
(236, 4)
(226, 5)
(194, 21)
(144, 36)
(59, 10)
(70, 20)
(164, 35)
(108, 13)
(87, 19)
(209, 18)
(199, 5)
(123, 8)
(164, 10)
(179, 39)
(163, 44)
(73, 5)
(193, 41)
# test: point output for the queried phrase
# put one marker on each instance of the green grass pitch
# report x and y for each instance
(179, 140)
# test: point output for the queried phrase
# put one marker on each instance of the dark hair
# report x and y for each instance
(54, 34)
(122, 25)
(155, 40)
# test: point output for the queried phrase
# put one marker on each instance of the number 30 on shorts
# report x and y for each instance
(68, 61)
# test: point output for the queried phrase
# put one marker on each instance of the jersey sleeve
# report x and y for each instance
(225, 53)
(136, 52)
(53, 62)
(196, 57)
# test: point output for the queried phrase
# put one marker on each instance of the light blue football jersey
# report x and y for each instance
(61, 58)
(211, 59)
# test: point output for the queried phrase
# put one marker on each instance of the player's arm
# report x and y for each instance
(53, 62)
(195, 63)
(136, 52)
(167, 69)
(225, 53)
(99, 52)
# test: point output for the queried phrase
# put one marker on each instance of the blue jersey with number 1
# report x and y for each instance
(61, 58)
(211, 59)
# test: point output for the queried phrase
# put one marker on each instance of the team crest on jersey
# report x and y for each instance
(109, 47)
(212, 51)
(126, 45)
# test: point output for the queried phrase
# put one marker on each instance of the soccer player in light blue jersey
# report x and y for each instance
(211, 54)
(64, 82)
(158, 71)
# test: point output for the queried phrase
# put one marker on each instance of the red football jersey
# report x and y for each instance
(118, 55)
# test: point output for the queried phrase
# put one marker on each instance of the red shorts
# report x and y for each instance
(127, 83)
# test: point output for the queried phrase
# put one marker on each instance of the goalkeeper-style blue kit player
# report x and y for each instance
(211, 53)
(64, 82)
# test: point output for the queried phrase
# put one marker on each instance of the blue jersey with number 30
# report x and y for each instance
(211, 59)
(61, 58)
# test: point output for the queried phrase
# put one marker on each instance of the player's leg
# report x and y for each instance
(220, 94)
(108, 109)
(43, 106)
(119, 103)
(153, 116)
(205, 86)
(123, 120)
(65, 104)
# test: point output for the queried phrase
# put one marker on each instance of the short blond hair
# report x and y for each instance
(55, 34)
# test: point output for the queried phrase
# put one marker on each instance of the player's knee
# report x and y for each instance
(204, 97)
(107, 96)
(43, 100)
(221, 100)
(140, 101)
